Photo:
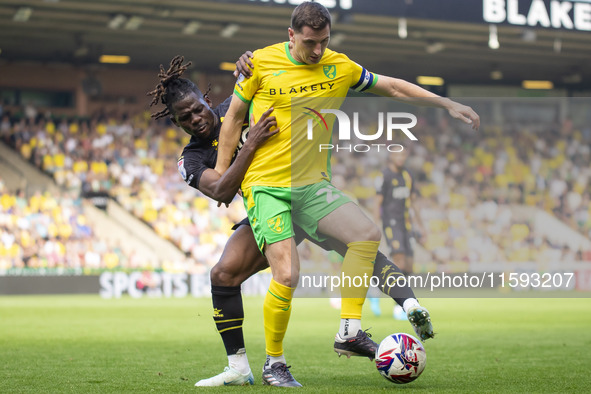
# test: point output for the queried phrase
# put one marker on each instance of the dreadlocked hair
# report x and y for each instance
(172, 87)
(208, 90)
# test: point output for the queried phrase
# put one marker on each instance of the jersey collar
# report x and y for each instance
(291, 57)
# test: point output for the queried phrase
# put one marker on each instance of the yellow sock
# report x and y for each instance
(276, 312)
(357, 265)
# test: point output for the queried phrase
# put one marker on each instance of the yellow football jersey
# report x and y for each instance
(291, 158)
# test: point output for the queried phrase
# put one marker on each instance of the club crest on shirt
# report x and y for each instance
(330, 71)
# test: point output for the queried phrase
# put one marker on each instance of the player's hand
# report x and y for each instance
(262, 130)
(465, 114)
(244, 66)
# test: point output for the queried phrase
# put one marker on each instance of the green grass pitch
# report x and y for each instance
(82, 344)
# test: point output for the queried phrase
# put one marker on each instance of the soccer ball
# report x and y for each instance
(401, 358)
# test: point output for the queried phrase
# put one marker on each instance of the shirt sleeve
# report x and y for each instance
(221, 109)
(413, 189)
(361, 78)
(245, 88)
(191, 167)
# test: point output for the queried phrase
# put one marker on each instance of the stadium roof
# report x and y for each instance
(208, 33)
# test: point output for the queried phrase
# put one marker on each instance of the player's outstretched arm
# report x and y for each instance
(224, 187)
(230, 133)
(410, 93)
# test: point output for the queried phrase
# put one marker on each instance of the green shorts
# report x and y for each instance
(269, 213)
(272, 211)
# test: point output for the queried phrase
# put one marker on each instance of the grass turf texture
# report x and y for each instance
(87, 344)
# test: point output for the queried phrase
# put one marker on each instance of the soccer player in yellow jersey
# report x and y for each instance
(279, 182)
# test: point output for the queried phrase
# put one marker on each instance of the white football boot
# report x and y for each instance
(230, 377)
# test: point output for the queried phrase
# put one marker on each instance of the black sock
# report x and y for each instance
(387, 272)
(228, 315)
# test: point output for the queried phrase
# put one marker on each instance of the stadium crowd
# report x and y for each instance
(469, 196)
(134, 160)
(49, 231)
(467, 184)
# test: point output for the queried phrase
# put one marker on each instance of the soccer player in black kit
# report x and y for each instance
(191, 110)
(395, 201)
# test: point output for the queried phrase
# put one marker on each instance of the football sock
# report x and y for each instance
(276, 312)
(349, 328)
(388, 274)
(357, 269)
(409, 303)
(272, 360)
(239, 361)
(228, 316)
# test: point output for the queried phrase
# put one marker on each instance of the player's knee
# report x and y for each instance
(367, 231)
(221, 277)
(287, 276)
(373, 233)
